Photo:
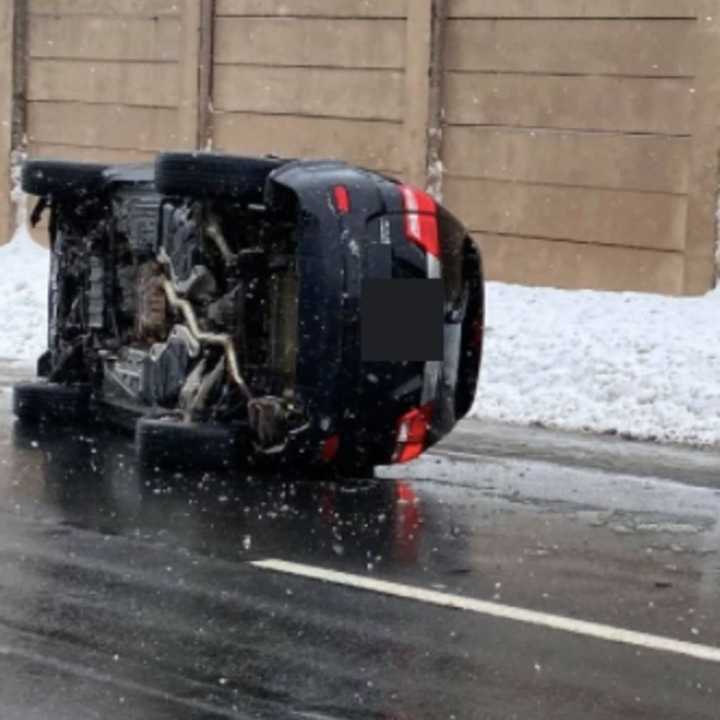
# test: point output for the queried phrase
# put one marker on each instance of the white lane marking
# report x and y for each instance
(585, 628)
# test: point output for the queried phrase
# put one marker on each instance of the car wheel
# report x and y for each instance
(51, 402)
(172, 443)
(472, 330)
(59, 177)
(210, 175)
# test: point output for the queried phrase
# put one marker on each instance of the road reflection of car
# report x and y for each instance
(256, 308)
(95, 482)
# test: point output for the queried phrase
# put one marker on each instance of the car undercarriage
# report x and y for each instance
(168, 318)
(213, 304)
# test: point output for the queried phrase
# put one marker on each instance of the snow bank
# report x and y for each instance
(23, 298)
(644, 366)
(639, 365)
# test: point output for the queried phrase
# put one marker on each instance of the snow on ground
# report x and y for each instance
(644, 366)
(639, 365)
(23, 298)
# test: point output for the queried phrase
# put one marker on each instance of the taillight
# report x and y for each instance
(341, 199)
(421, 219)
(412, 433)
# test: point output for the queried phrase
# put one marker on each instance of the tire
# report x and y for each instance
(473, 323)
(59, 177)
(209, 175)
(170, 443)
(52, 403)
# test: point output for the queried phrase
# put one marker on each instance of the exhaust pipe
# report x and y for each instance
(219, 340)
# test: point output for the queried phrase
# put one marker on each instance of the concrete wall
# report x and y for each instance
(107, 80)
(6, 85)
(579, 145)
(312, 78)
(579, 138)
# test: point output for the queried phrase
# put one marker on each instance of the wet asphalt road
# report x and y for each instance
(129, 594)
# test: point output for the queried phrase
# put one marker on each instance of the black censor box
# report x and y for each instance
(402, 320)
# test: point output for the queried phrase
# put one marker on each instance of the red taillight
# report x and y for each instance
(412, 434)
(330, 448)
(417, 201)
(421, 219)
(341, 198)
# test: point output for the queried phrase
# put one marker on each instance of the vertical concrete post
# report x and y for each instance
(205, 70)
(189, 76)
(424, 85)
(418, 41)
(436, 99)
(702, 226)
(7, 15)
(198, 19)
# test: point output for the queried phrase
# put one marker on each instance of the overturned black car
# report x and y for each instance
(252, 309)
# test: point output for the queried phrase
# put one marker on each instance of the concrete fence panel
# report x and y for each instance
(578, 139)
(6, 105)
(571, 140)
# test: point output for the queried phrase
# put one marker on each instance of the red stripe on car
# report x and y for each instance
(421, 219)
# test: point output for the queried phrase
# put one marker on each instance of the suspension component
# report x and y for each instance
(217, 339)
